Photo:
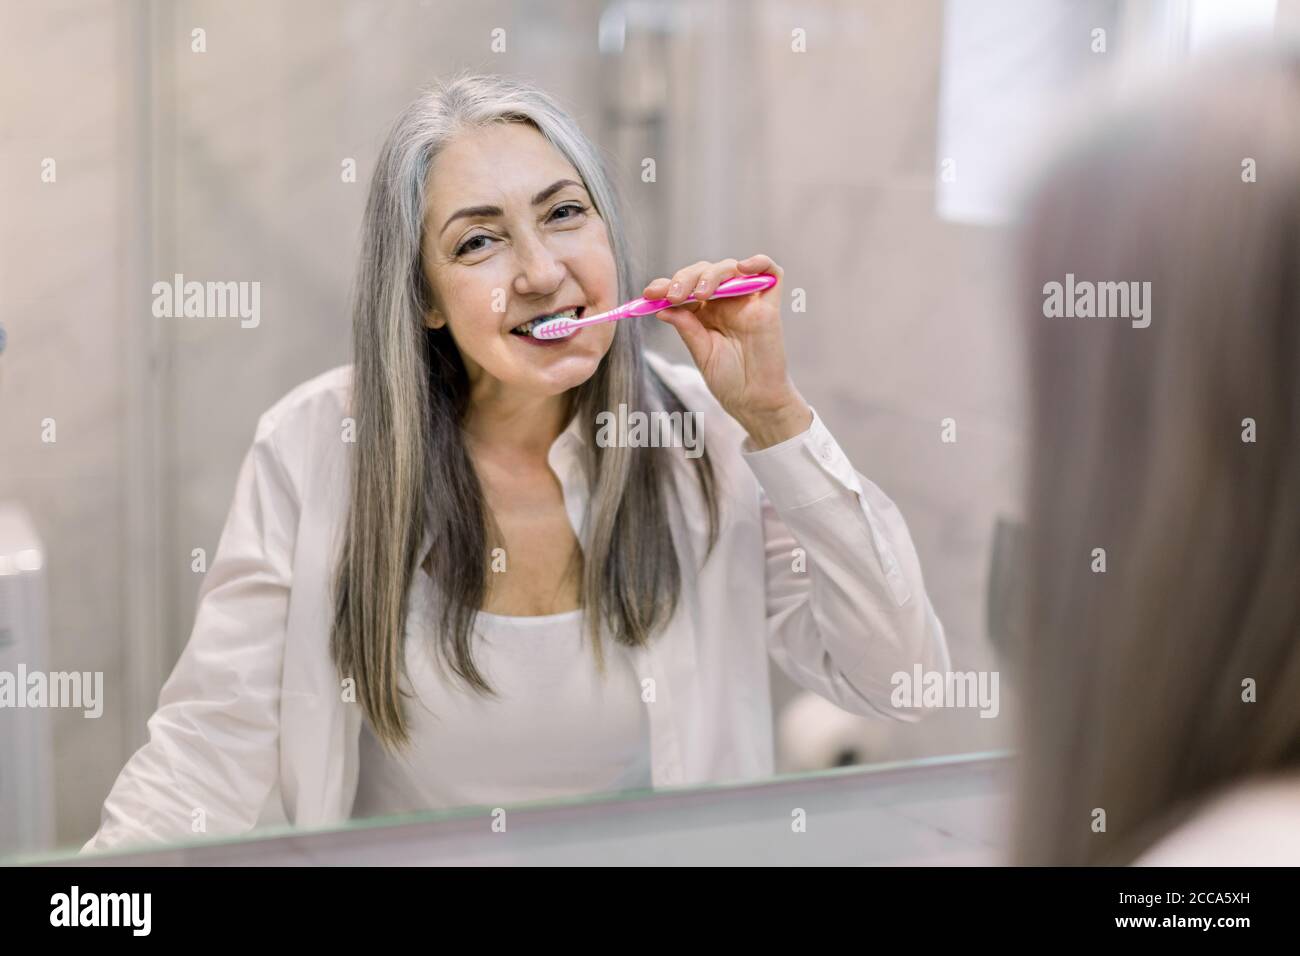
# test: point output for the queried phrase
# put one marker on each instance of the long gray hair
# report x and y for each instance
(410, 467)
(1133, 678)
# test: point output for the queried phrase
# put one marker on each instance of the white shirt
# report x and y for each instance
(251, 727)
(1253, 823)
(556, 727)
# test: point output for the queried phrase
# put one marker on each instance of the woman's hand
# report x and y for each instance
(736, 342)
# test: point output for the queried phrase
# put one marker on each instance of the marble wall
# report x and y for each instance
(225, 165)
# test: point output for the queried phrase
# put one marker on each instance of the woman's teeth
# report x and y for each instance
(531, 324)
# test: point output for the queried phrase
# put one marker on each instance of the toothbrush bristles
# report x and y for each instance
(555, 329)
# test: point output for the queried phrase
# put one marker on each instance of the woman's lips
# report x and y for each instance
(569, 312)
(579, 310)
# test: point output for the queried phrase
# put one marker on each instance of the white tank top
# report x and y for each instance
(555, 729)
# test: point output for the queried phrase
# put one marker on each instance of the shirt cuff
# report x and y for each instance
(812, 467)
(802, 469)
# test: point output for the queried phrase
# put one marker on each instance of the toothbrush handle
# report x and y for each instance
(737, 285)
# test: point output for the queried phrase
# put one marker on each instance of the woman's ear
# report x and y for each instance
(433, 317)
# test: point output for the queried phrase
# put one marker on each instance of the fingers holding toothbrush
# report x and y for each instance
(737, 344)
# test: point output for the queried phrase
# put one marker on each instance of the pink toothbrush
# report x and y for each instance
(564, 327)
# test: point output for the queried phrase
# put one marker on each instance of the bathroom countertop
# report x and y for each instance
(932, 812)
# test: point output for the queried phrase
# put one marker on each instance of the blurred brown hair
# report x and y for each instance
(1132, 679)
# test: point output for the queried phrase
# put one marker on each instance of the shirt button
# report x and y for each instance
(827, 452)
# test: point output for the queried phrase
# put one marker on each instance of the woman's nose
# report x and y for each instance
(540, 272)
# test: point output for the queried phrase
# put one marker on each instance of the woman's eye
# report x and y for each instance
(468, 245)
(571, 210)
(574, 209)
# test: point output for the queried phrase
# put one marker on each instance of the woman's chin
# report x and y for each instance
(553, 374)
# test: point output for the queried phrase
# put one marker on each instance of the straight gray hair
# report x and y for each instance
(410, 468)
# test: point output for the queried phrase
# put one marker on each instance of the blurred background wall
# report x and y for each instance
(229, 164)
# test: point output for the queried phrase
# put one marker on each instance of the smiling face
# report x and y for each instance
(511, 234)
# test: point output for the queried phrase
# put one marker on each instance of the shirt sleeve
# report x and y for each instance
(212, 757)
(846, 603)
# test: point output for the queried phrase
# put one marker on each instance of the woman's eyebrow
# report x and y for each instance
(554, 188)
(471, 212)
(475, 212)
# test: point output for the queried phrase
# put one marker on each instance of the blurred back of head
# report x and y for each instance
(1134, 677)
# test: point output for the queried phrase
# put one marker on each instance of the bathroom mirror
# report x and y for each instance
(157, 144)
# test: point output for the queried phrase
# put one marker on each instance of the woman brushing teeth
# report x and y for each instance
(524, 612)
